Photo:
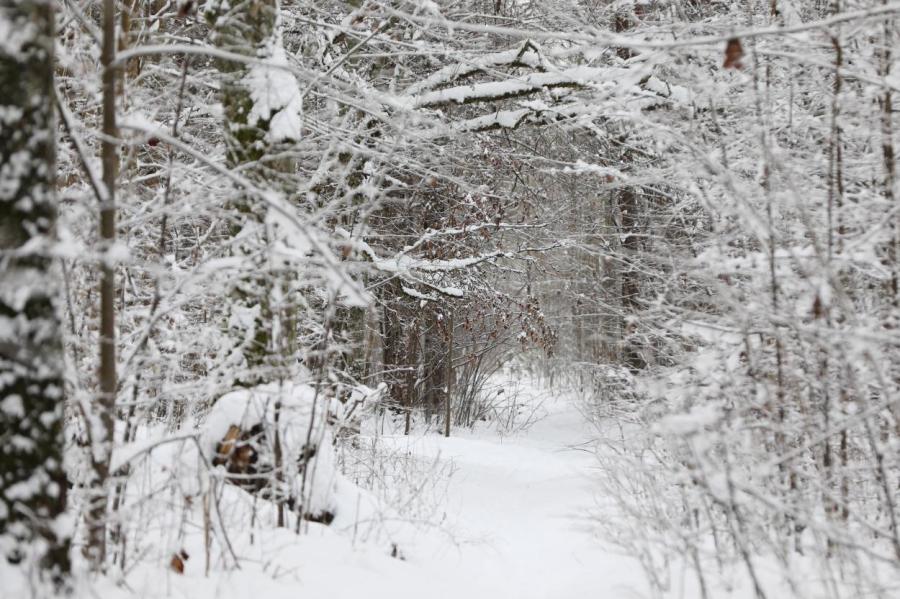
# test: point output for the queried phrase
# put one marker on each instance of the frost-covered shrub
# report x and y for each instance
(277, 440)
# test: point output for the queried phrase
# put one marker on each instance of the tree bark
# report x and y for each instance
(103, 437)
(249, 28)
(32, 480)
(631, 288)
(448, 397)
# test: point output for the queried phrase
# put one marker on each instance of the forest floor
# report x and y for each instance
(523, 505)
(515, 516)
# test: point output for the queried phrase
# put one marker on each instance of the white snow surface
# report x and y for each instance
(276, 96)
(517, 520)
(523, 505)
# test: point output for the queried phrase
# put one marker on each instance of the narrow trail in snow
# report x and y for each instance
(523, 507)
(518, 509)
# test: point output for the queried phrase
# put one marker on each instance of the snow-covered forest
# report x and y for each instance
(538, 299)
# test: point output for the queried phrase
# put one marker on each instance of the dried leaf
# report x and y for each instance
(177, 564)
(818, 309)
(734, 52)
(186, 8)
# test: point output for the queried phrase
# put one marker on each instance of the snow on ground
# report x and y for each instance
(522, 505)
(515, 522)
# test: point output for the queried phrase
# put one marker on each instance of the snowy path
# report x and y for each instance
(522, 504)
(517, 510)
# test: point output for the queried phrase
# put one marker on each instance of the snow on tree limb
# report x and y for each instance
(528, 54)
(577, 76)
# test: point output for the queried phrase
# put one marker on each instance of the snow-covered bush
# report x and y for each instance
(278, 440)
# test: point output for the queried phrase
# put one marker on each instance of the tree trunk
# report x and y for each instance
(32, 480)
(249, 29)
(448, 397)
(631, 289)
(393, 355)
(102, 438)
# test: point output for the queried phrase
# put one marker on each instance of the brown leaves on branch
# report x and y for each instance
(734, 53)
(177, 562)
(185, 8)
